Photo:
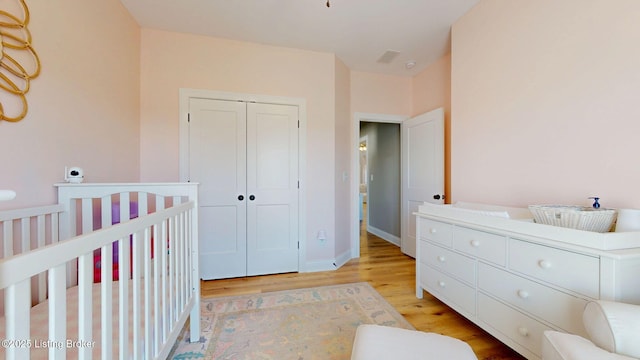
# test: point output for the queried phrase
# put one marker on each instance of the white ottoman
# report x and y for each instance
(375, 342)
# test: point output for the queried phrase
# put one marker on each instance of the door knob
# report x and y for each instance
(436, 197)
(240, 197)
(252, 197)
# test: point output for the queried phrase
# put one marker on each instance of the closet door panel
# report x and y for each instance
(272, 145)
(274, 233)
(272, 177)
(217, 147)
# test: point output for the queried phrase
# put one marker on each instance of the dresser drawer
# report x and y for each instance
(449, 262)
(452, 292)
(572, 271)
(553, 306)
(513, 324)
(436, 231)
(480, 244)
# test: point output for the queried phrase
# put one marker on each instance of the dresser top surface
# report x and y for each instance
(518, 222)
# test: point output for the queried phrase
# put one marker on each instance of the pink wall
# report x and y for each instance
(171, 61)
(380, 94)
(83, 108)
(432, 90)
(343, 158)
(432, 87)
(545, 102)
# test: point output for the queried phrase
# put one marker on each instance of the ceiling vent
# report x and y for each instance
(388, 56)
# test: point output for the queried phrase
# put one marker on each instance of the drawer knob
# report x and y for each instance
(523, 294)
(544, 264)
(441, 283)
(432, 230)
(523, 331)
(442, 258)
(475, 243)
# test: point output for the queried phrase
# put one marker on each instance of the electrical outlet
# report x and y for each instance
(322, 237)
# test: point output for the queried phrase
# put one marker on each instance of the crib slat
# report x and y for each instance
(55, 227)
(17, 304)
(164, 268)
(25, 229)
(188, 255)
(187, 258)
(106, 307)
(177, 266)
(147, 292)
(105, 209)
(68, 229)
(7, 231)
(156, 290)
(181, 272)
(185, 261)
(143, 204)
(125, 213)
(176, 270)
(57, 312)
(123, 297)
(194, 273)
(40, 233)
(40, 239)
(172, 269)
(137, 349)
(85, 279)
(87, 216)
(106, 278)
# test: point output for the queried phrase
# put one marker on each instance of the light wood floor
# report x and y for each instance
(392, 274)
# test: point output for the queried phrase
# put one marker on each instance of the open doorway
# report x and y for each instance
(377, 178)
(422, 170)
(382, 183)
(363, 184)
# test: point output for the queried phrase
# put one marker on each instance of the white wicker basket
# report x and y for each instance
(574, 217)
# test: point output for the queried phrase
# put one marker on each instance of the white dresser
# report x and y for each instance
(515, 278)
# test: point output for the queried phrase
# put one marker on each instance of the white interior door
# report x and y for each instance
(272, 187)
(245, 157)
(217, 160)
(422, 170)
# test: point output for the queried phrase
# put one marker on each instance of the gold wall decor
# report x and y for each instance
(19, 63)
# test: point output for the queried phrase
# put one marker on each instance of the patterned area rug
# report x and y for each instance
(303, 324)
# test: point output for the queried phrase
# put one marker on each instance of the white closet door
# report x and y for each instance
(272, 188)
(245, 157)
(217, 160)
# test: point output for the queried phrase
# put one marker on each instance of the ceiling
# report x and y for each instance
(359, 32)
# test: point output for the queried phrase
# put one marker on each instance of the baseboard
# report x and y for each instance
(321, 265)
(343, 258)
(384, 235)
(327, 265)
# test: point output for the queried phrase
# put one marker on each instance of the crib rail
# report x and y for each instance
(164, 288)
(26, 229)
(46, 225)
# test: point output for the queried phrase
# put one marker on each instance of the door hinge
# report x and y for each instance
(298, 124)
(188, 117)
(298, 245)
(298, 184)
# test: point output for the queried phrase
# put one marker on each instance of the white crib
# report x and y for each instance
(58, 275)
